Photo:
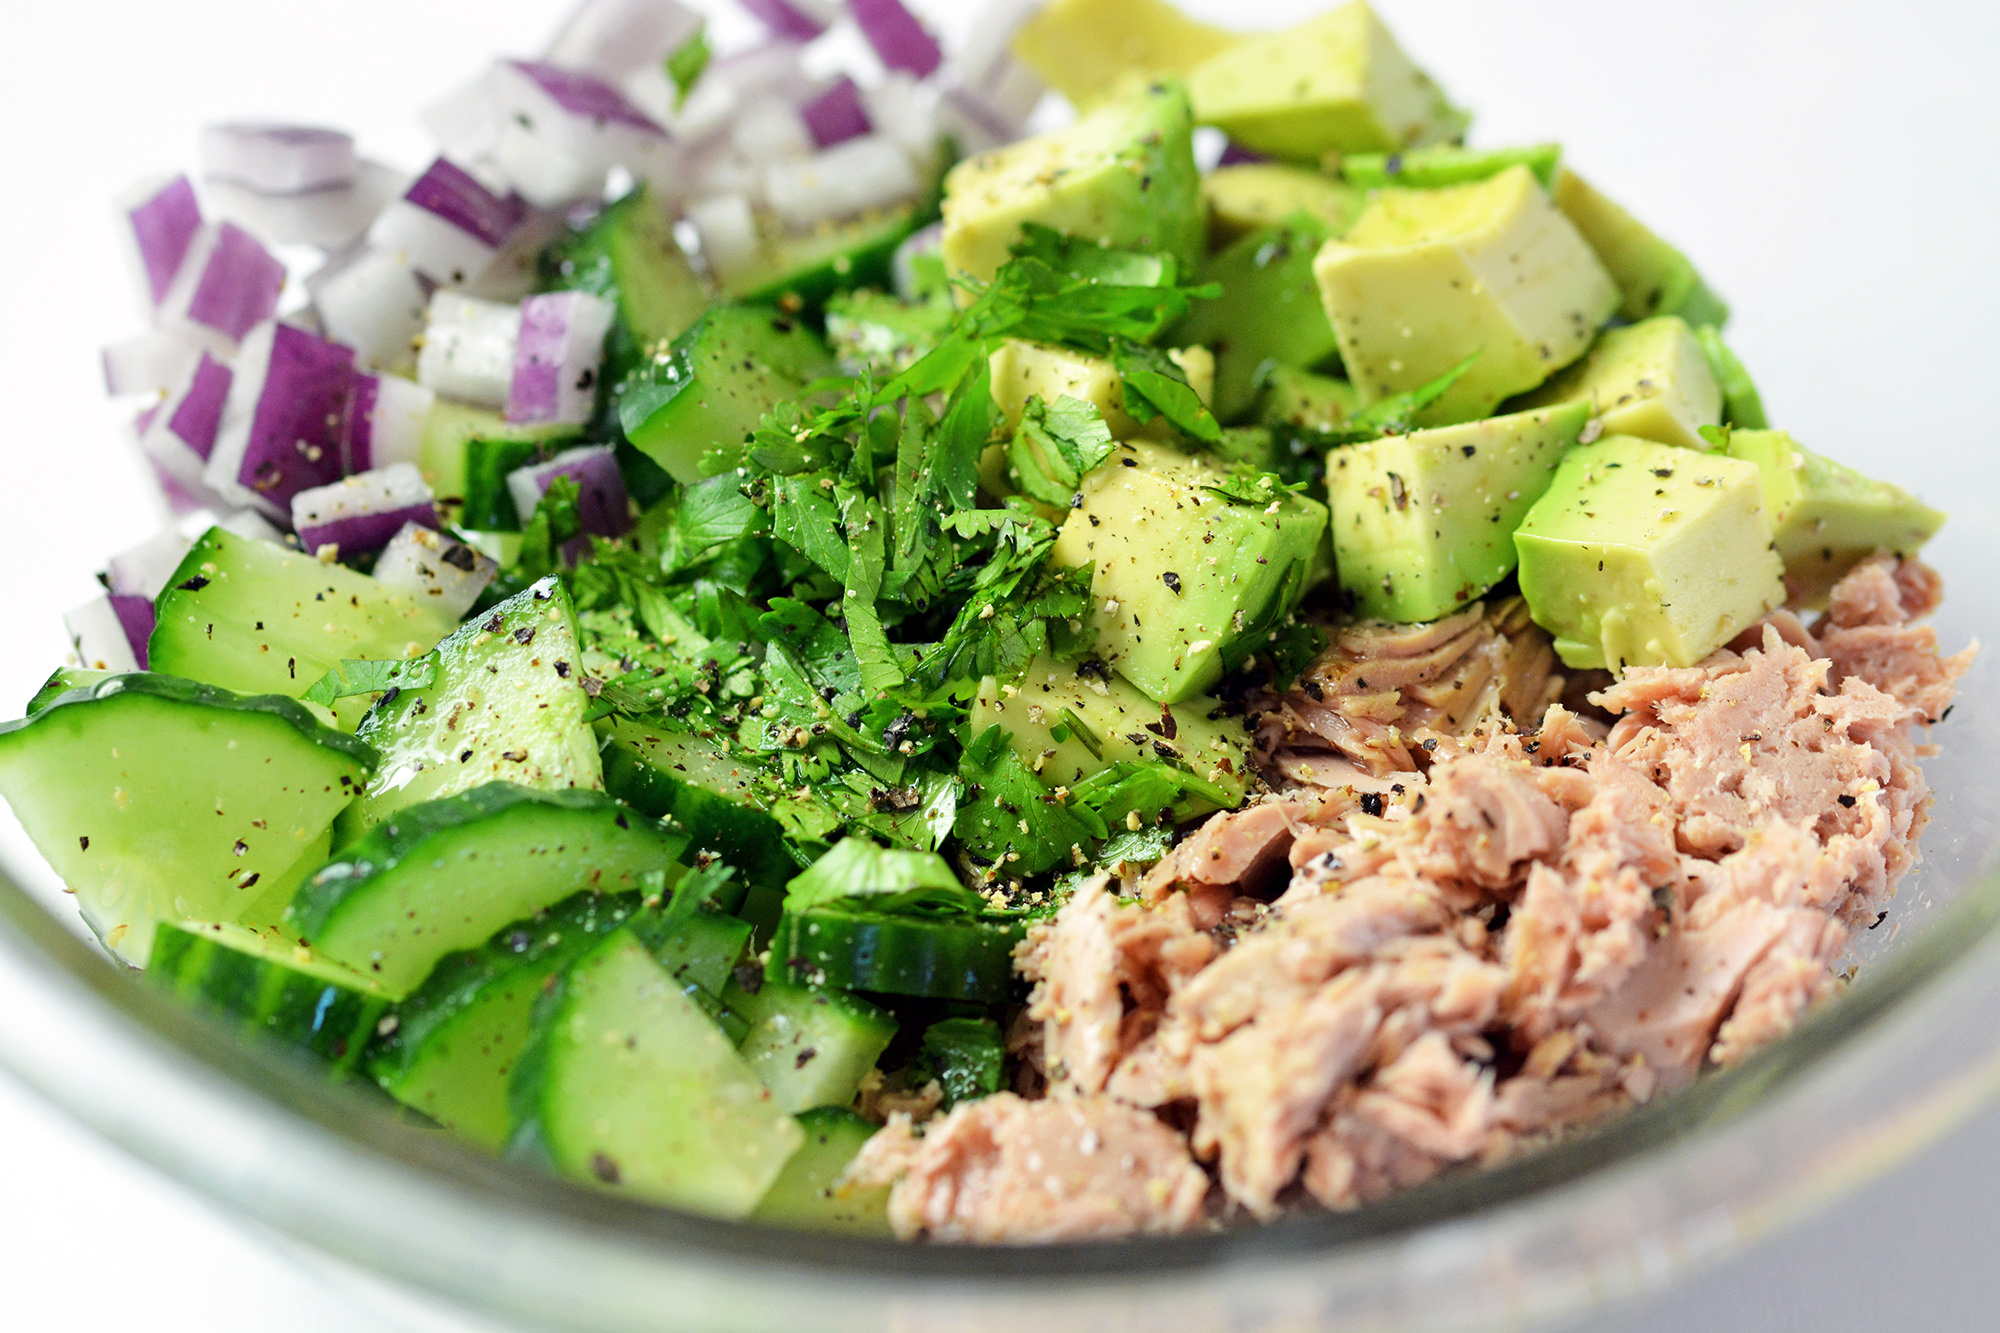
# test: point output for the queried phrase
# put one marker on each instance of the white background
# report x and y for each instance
(1828, 165)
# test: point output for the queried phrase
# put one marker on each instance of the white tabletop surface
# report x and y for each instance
(1828, 165)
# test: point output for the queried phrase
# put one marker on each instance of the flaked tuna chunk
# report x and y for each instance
(1883, 590)
(1239, 848)
(1481, 820)
(1007, 1170)
(1421, 1112)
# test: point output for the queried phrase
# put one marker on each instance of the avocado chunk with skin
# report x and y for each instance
(1192, 564)
(1251, 195)
(1828, 518)
(1649, 379)
(1426, 278)
(1041, 710)
(1643, 554)
(1123, 175)
(1653, 277)
(1087, 48)
(1269, 313)
(1338, 83)
(1423, 523)
(1446, 164)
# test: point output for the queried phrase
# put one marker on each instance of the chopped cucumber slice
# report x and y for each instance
(968, 1057)
(457, 1037)
(157, 798)
(445, 875)
(253, 617)
(271, 987)
(811, 1047)
(627, 1085)
(506, 705)
(673, 774)
(804, 1194)
(61, 681)
(949, 958)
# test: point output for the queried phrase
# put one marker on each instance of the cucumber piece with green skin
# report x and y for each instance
(1439, 165)
(457, 1037)
(506, 704)
(628, 253)
(968, 1057)
(804, 1194)
(627, 1085)
(800, 273)
(673, 774)
(61, 681)
(1742, 405)
(489, 505)
(811, 1047)
(944, 957)
(450, 430)
(270, 987)
(255, 618)
(690, 406)
(445, 875)
(157, 798)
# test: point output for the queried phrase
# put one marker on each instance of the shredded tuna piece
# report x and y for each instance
(1008, 1170)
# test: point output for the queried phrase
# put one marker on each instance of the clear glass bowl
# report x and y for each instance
(1844, 302)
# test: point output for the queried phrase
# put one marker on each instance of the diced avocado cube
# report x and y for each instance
(1642, 554)
(1192, 565)
(1653, 277)
(1426, 278)
(1269, 313)
(1338, 83)
(1446, 164)
(1067, 724)
(1828, 518)
(1649, 379)
(1423, 523)
(1023, 370)
(1305, 401)
(885, 333)
(1251, 195)
(1742, 405)
(1085, 49)
(1123, 175)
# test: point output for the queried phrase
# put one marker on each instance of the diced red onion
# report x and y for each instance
(158, 223)
(180, 500)
(150, 362)
(602, 504)
(556, 357)
(770, 130)
(610, 39)
(468, 352)
(180, 436)
(981, 60)
(869, 172)
(227, 285)
(776, 67)
(1013, 89)
(902, 264)
(728, 232)
(515, 272)
(1235, 154)
(358, 515)
(136, 618)
(973, 121)
(552, 133)
(385, 421)
(100, 636)
(251, 526)
(901, 41)
(284, 427)
(792, 20)
(836, 115)
(330, 219)
(143, 570)
(448, 226)
(374, 302)
(906, 110)
(440, 571)
(277, 159)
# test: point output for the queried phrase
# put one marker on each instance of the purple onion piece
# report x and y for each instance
(901, 41)
(603, 507)
(197, 416)
(100, 636)
(143, 570)
(277, 159)
(163, 226)
(437, 570)
(284, 428)
(786, 20)
(1235, 154)
(613, 39)
(557, 356)
(585, 97)
(238, 286)
(359, 514)
(836, 115)
(149, 362)
(451, 194)
(385, 421)
(136, 618)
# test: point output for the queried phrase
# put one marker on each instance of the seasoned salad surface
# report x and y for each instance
(1117, 629)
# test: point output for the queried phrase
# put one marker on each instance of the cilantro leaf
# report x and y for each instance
(859, 874)
(1010, 821)
(1055, 445)
(1156, 387)
(686, 63)
(353, 677)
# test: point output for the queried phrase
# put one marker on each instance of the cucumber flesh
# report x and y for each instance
(444, 876)
(804, 1195)
(457, 1038)
(506, 705)
(157, 798)
(674, 774)
(811, 1047)
(948, 958)
(628, 1086)
(255, 618)
(61, 681)
(270, 987)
